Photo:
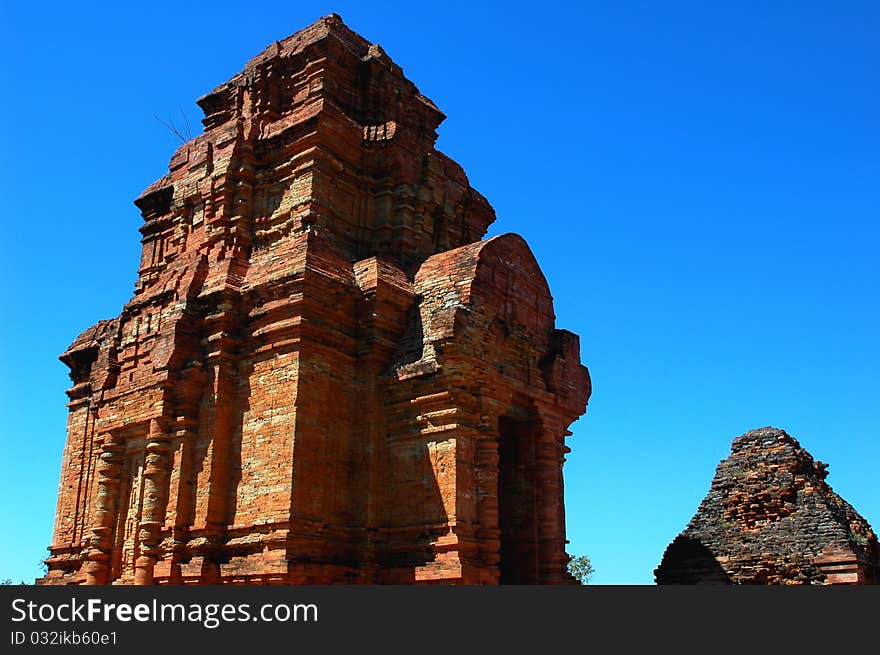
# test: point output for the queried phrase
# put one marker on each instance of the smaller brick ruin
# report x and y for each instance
(770, 518)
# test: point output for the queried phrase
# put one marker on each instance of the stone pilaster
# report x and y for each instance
(100, 543)
(155, 497)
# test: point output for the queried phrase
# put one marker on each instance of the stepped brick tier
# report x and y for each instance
(770, 518)
(324, 376)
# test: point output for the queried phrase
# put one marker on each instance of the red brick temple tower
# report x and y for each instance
(324, 375)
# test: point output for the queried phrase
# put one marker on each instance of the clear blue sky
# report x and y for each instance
(699, 184)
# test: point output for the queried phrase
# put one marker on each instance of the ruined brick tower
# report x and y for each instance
(324, 375)
(771, 518)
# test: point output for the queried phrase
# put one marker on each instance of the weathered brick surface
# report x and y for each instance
(323, 375)
(770, 518)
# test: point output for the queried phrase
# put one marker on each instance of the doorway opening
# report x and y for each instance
(517, 500)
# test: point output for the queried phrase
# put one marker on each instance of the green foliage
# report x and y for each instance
(581, 568)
